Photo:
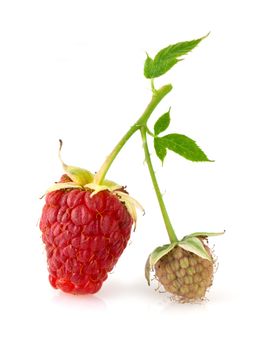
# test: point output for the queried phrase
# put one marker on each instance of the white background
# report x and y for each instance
(74, 70)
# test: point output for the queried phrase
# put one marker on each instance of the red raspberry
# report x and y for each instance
(84, 237)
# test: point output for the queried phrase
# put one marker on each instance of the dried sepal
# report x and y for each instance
(63, 186)
(79, 175)
(131, 205)
(204, 234)
(98, 188)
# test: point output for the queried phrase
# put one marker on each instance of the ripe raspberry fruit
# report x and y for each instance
(184, 274)
(85, 228)
(84, 236)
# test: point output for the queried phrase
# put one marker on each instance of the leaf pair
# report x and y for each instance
(181, 144)
(166, 58)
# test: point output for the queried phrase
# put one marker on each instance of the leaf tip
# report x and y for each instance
(204, 37)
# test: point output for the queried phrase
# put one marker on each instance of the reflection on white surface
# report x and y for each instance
(87, 302)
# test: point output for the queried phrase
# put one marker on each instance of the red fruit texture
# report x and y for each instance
(84, 237)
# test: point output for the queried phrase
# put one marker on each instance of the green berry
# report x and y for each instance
(184, 274)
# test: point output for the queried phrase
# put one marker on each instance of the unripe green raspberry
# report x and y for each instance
(185, 274)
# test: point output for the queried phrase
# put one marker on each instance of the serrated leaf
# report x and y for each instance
(205, 234)
(194, 245)
(162, 123)
(160, 149)
(184, 146)
(154, 69)
(148, 67)
(178, 49)
(166, 58)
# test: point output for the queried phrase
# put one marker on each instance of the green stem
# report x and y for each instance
(172, 236)
(149, 132)
(153, 86)
(142, 121)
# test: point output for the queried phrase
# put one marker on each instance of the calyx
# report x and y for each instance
(83, 179)
(191, 243)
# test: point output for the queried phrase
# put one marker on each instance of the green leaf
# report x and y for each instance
(194, 245)
(148, 67)
(160, 149)
(168, 57)
(184, 146)
(154, 69)
(162, 123)
(205, 234)
(155, 256)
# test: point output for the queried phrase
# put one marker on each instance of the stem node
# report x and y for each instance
(142, 121)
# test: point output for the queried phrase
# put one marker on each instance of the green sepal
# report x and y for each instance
(147, 270)
(110, 183)
(78, 175)
(204, 234)
(194, 245)
(155, 256)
